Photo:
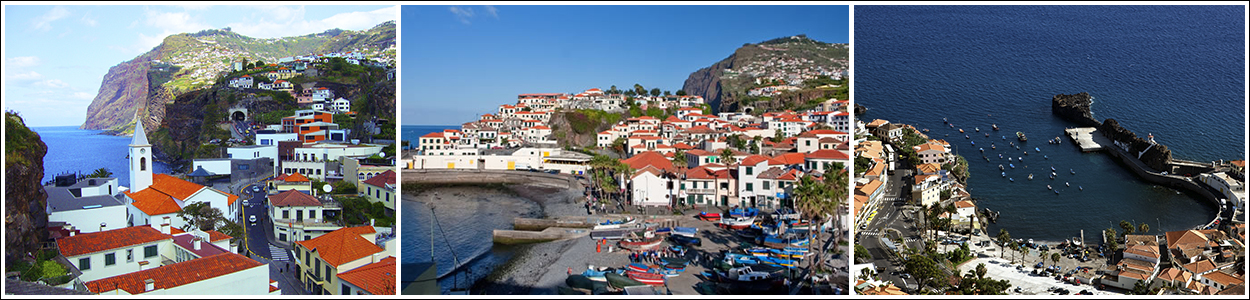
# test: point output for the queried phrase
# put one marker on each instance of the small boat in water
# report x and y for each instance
(1020, 135)
(1072, 171)
(1013, 166)
(1000, 167)
(966, 136)
(1080, 188)
(1048, 187)
(987, 134)
(978, 129)
(1045, 157)
(982, 150)
(992, 146)
(1037, 149)
(1065, 183)
(1004, 173)
(1030, 176)
(943, 119)
(961, 130)
(1010, 179)
(994, 126)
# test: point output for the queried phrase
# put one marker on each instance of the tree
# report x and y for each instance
(923, 268)
(1127, 226)
(1054, 257)
(727, 157)
(681, 92)
(810, 202)
(679, 159)
(981, 270)
(199, 215)
(613, 90)
(862, 256)
(1003, 238)
(1143, 227)
(344, 187)
(668, 93)
(100, 173)
(1109, 234)
(655, 92)
(639, 90)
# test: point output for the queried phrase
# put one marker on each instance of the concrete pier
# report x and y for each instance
(511, 237)
(1086, 139)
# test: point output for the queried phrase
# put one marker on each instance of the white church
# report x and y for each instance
(155, 199)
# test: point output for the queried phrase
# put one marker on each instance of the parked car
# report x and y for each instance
(252, 219)
(256, 189)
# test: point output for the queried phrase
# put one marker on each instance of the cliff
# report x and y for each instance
(581, 128)
(25, 222)
(123, 92)
(1157, 157)
(1074, 108)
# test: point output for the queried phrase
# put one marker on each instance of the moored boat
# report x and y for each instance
(621, 281)
(737, 223)
(707, 216)
(647, 242)
(647, 278)
(1021, 136)
(994, 126)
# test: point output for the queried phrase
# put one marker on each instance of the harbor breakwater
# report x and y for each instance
(1144, 157)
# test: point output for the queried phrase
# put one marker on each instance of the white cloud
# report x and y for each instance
(82, 95)
(173, 22)
(462, 13)
(88, 20)
(51, 83)
(44, 22)
(281, 21)
(24, 61)
(24, 77)
(195, 7)
(490, 9)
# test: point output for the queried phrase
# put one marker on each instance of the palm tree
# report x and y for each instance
(981, 270)
(1043, 257)
(104, 173)
(1143, 227)
(1004, 238)
(1054, 257)
(836, 183)
(1015, 247)
(810, 201)
(679, 159)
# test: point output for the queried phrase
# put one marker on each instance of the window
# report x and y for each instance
(110, 259)
(750, 171)
(346, 290)
(143, 163)
(750, 187)
(149, 251)
(282, 237)
(130, 255)
(286, 214)
(84, 263)
(766, 187)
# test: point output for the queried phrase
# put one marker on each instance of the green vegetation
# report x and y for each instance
(862, 164)
(344, 187)
(18, 140)
(45, 269)
(585, 121)
(862, 256)
(359, 210)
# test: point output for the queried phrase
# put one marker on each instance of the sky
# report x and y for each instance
(56, 56)
(458, 62)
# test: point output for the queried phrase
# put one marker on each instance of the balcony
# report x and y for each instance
(701, 191)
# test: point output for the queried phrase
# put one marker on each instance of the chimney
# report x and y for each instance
(149, 285)
(165, 228)
(72, 232)
(144, 265)
(195, 242)
(371, 223)
(102, 225)
(375, 257)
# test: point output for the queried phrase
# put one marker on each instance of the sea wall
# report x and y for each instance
(1152, 176)
(445, 176)
(1157, 156)
(1074, 108)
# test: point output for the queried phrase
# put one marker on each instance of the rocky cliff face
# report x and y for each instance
(706, 82)
(726, 82)
(1075, 108)
(1156, 158)
(123, 92)
(25, 222)
(563, 132)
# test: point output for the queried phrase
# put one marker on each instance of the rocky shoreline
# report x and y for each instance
(1076, 108)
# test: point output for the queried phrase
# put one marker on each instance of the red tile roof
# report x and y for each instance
(173, 186)
(214, 236)
(788, 159)
(377, 278)
(382, 180)
(342, 246)
(753, 160)
(434, 134)
(293, 198)
(828, 154)
(295, 177)
(88, 243)
(649, 158)
(153, 202)
(175, 275)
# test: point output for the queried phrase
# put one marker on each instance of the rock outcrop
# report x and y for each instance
(1074, 108)
(25, 222)
(1157, 157)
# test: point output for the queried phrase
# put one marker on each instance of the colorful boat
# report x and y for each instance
(622, 281)
(743, 212)
(1021, 137)
(637, 267)
(647, 278)
(648, 242)
(779, 262)
(685, 231)
(737, 222)
(614, 224)
(707, 216)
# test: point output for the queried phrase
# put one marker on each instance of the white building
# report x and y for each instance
(90, 205)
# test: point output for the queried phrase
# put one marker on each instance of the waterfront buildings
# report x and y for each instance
(325, 263)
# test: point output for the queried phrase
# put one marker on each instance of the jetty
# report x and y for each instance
(512, 237)
(1085, 138)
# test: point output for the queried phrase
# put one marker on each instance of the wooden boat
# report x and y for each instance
(737, 223)
(621, 281)
(614, 224)
(1021, 137)
(647, 278)
(961, 130)
(648, 242)
(685, 231)
(707, 216)
(779, 262)
(995, 126)
(637, 267)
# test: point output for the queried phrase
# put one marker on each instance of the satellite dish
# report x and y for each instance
(327, 188)
(382, 154)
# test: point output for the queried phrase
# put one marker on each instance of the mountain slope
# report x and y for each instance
(190, 61)
(725, 83)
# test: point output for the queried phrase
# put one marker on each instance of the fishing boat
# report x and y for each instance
(1013, 166)
(675, 261)
(1010, 158)
(978, 129)
(743, 212)
(1011, 179)
(982, 150)
(1000, 167)
(1052, 169)
(779, 262)
(648, 241)
(1065, 183)
(741, 259)
(1045, 157)
(1072, 171)
(707, 216)
(758, 252)
(1037, 149)
(647, 278)
(1080, 188)
(994, 126)
(621, 281)
(1000, 156)
(952, 125)
(992, 146)
(664, 230)
(974, 143)
(987, 134)
(1056, 192)
(672, 270)
(737, 223)
(595, 275)
(1004, 174)
(926, 130)
(961, 130)
(685, 231)
(788, 254)
(584, 285)
(776, 242)
(786, 213)
(614, 224)
(943, 119)
(1048, 187)
(1021, 137)
(1030, 176)
(638, 267)
(745, 274)
(966, 136)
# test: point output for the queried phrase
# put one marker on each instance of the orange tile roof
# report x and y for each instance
(296, 177)
(377, 278)
(173, 186)
(828, 154)
(342, 246)
(153, 202)
(650, 158)
(214, 236)
(175, 275)
(753, 160)
(293, 198)
(88, 243)
(381, 180)
(930, 147)
(928, 168)
(1201, 266)
(788, 159)
(1223, 278)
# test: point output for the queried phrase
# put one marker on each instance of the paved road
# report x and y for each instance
(260, 246)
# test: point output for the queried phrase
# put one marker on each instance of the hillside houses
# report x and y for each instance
(729, 159)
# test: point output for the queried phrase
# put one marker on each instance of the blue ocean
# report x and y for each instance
(411, 133)
(1176, 72)
(73, 150)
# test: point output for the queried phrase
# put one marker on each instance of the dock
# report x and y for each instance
(1087, 139)
(512, 237)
